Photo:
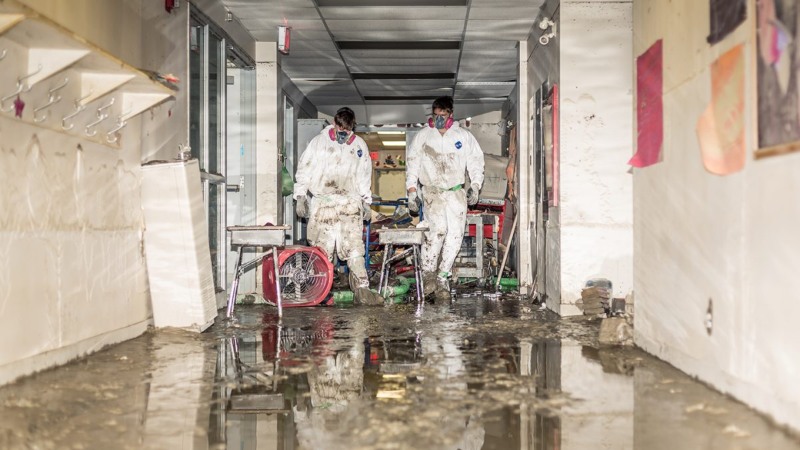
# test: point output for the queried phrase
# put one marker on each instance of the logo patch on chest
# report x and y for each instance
(360, 153)
(458, 145)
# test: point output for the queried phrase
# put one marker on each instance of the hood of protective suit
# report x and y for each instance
(440, 160)
(328, 168)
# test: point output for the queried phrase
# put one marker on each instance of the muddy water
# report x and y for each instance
(477, 374)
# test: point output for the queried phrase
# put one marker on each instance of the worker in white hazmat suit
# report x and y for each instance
(438, 158)
(337, 171)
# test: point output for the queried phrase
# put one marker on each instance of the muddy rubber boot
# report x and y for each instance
(442, 289)
(428, 283)
(362, 295)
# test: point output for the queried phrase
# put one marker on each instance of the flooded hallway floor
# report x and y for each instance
(477, 374)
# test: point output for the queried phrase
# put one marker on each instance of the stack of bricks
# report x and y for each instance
(595, 299)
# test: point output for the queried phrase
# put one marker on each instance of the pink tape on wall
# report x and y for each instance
(649, 107)
(721, 127)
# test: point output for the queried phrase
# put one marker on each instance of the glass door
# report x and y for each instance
(207, 133)
(241, 159)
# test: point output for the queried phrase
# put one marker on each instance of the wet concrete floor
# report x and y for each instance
(477, 374)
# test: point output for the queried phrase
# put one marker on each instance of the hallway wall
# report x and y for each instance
(596, 214)
(73, 266)
(589, 233)
(72, 269)
(703, 238)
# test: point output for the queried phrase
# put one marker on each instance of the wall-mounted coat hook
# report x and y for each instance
(25, 77)
(52, 100)
(101, 116)
(8, 97)
(101, 109)
(78, 109)
(90, 131)
(21, 87)
(111, 136)
(3, 55)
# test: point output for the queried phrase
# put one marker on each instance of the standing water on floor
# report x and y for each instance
(479, 373)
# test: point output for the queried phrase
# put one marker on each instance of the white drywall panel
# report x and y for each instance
(595, 101)
(72, 265)
(176, 246)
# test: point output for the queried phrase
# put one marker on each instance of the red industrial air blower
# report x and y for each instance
(306, 276)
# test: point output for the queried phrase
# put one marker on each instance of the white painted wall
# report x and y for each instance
(596, 213)
(165, 48)
(269, 135)
(589, 235)
(74, 277)
(698, 236)
(72, 268)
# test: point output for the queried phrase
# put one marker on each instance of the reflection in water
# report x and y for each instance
(476, 374)
(313, 376)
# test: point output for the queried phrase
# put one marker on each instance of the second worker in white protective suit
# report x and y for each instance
(336, 169)
(438, 158)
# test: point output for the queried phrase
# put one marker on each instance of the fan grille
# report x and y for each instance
(305, 275)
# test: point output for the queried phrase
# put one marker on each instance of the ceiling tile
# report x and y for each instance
(272, 12)
(529, 11)
(394, 13)
(499, 30)
(507, 4)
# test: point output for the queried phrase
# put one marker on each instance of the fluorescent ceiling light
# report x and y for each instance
(394, 143)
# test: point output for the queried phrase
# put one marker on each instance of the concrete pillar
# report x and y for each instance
(269, 135)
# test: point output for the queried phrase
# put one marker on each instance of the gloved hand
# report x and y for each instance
(302, 207)
(472, 194)
(366, 211)
(413, 202)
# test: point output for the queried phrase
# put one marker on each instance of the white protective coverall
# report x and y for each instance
(438, 162)
(339, 176)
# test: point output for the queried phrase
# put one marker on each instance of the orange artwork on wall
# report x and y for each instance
(721, 127)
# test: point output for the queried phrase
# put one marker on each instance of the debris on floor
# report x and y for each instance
(595, 297)
(474, 373)
(616, 331)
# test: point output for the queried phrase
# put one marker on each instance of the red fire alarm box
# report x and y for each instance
(284, 38)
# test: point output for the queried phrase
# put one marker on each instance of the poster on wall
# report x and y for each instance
(649, 107)
(777, 77)
(721, 127)
(725, 15)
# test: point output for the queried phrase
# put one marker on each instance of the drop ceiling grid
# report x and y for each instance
(403, 84)
(489, 47)
(368, 13)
